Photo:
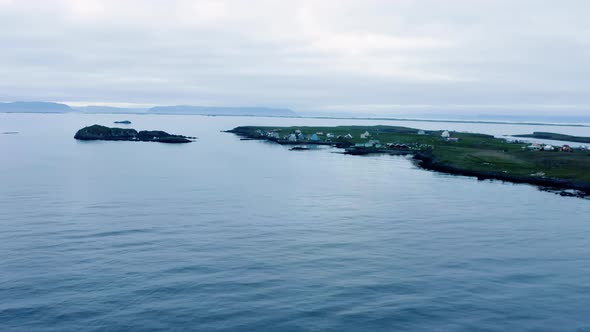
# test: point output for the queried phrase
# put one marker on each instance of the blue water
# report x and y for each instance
(230, 235)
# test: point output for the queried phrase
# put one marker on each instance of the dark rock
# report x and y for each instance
(97, 132)
(123, 122)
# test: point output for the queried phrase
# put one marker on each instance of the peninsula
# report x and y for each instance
(470, 154)
(556, 137)
(102, 133)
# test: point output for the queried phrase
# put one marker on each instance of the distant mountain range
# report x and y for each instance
(206, 110)
(34, 107)
(49, 107)
(110, 109)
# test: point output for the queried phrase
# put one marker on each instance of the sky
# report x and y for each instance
(365, 56)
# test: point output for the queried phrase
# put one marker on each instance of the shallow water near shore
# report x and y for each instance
(230, 235)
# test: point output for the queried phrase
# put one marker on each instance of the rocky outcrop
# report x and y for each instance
(97, 132)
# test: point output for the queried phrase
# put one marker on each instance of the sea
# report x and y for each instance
(229, 235)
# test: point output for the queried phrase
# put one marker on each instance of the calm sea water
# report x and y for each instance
(230, 235)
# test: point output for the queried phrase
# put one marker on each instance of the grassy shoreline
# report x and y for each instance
(470, 154)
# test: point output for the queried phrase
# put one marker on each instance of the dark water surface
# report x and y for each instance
(230, 235)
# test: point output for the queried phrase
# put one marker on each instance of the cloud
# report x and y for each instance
(302, 54)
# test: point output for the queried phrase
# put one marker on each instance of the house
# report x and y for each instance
(314, 138)
(445, 134)
(452, 139)
(320, 133)
(292, 138)
(421, 132)
(534, 147)
(297, 131)
(566, 148)
(365, 134)
(330, 135)
(300, 136)
(548, 148)
(348, 136)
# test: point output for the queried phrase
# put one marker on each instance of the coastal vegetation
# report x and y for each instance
(97, 132)
(471, 154)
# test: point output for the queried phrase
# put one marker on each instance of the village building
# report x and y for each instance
(348, 136)
(566, 148)
(548, 148)
(366, 134)
(292, 138)
(314, 138)
(421, 132)
(535, 147)
(445, 134)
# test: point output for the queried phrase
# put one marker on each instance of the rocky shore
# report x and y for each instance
(102, 133)
(556, 185)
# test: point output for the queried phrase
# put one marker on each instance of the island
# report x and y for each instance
(97, 132)
(123, 122)
(556, 137)
(469, 154)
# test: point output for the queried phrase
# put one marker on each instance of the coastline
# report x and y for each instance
(467, 154)
(429, 162)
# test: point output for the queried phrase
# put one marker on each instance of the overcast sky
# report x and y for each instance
(328, 55)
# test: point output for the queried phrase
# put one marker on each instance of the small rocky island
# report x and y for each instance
(102, 133)
(123, 122)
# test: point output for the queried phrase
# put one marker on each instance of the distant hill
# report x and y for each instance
(206, 110)
(34, 107)
(110, 109)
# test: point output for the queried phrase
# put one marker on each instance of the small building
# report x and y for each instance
(348, 136)
(445, 134)
(548, 148)
(330, 135)
(566, 148)
(297, 131)
(366, 134)
(534, 147)
(421, 132)
(314, 138)
(320, 133)
(292, 138)
(301, 137)
(452, 139)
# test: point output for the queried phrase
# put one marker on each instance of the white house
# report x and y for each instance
(445, 134)
(330, 135)
(548, 148)
(292, 138)
(534, 147)
(349, 136)
(421, 132)
(365, 134)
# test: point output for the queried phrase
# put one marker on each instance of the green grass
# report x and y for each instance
(477, 152)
